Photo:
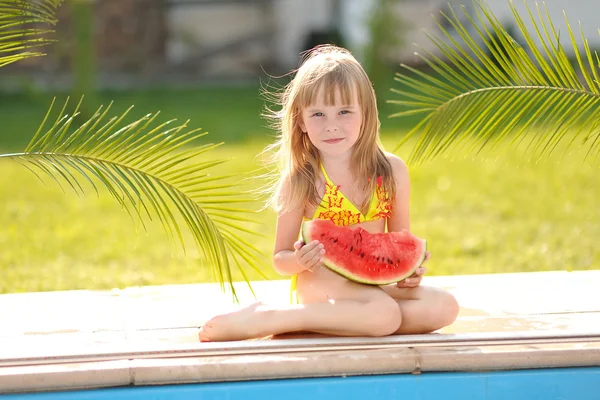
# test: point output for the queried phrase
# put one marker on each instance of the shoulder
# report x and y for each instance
(290, 198)
(285, 193)
(399, 167)
(395, 161)
(285, 185)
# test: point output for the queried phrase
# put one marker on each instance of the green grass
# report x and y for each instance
(230, 114)
(479, 216)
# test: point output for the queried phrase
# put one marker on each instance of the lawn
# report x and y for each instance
(478, 215)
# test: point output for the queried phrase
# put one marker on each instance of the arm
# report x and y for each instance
(286, 234)
(290, 255)
(400, 217)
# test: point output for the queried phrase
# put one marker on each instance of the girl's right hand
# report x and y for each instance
(309, 256)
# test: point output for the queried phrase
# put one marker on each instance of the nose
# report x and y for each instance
(331, 128)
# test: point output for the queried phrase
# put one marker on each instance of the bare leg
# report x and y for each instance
(424, 309)
(346, 309)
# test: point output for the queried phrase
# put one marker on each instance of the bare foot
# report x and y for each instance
(247, 323)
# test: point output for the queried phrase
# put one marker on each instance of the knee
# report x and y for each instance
(384, 317)
(449, 308)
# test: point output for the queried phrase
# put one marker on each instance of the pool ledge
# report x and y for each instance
(148, 335)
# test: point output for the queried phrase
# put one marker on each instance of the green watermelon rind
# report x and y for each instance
(342, 271)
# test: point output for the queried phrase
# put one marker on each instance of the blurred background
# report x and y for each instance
(208, 61)
(194, 56)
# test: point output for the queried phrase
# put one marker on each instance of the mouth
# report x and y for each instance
(333, 141)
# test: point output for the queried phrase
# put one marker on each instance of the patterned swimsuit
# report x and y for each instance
(336, 207)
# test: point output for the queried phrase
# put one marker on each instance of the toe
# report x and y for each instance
(203, 335)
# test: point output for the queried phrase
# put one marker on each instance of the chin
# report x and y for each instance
(335, 151)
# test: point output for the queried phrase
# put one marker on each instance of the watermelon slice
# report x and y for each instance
(370, 258)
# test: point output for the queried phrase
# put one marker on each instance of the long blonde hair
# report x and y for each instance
(331, 68)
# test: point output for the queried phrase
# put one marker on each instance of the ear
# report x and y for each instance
(303, 127)
(301, 124)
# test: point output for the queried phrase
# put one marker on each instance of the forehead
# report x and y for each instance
(333, 96)
(333, 88)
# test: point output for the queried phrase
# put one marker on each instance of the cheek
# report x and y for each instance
(312, 130)
(313, 124)
(353, 123)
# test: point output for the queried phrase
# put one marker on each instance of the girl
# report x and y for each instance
(334, 167)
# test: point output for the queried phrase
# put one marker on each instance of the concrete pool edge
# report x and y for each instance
(148, 336)
(400, 360)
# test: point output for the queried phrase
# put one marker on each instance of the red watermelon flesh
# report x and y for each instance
(370, 258)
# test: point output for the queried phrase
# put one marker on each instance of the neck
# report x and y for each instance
(336, 163)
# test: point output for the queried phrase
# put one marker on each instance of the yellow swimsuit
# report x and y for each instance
(337, 208)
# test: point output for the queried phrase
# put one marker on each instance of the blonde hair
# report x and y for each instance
(333, 69)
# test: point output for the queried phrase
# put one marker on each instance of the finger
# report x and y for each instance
(309, 259)
(415, 281)
(301, 252)
(310, 246)
(314, 262)
(313, 251)
(298, 244)
(408, 283)
(402, 283)
(317, 263)
(420, 271)
(416, 274)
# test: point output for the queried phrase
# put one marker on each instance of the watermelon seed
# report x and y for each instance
(335, 240)
(351, 247)
(362, 255)
(390, 261)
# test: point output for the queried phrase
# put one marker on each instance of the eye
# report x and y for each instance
(344, 112)
(318, 114)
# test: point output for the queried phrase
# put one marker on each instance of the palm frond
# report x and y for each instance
(21, 29)
(486, 89)
(152, 174)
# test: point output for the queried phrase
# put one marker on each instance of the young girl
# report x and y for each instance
(334, 167)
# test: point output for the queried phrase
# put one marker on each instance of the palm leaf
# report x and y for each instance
(153, 174)
(19, 27)
(486, 89)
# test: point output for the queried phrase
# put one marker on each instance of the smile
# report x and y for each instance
(333, 141)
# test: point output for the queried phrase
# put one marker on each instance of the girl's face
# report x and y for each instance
(332, 129)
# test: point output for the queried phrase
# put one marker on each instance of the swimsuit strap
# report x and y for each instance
(325, 174)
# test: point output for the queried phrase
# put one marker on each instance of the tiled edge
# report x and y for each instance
(363, 362)
(272, 366)
(401, 360)
(65, 376)
(498, 358)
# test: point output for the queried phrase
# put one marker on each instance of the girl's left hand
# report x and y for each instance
(415, 279)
